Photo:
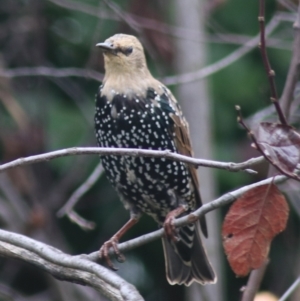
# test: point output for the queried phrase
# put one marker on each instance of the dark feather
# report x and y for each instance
(185, 265)
(184, 147)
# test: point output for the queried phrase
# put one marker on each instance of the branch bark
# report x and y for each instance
(294, 70)
(230, 166)
(254, 282)
(224, 200)
(68, 208)
(65, 267)
(82, 270)
(51, 72)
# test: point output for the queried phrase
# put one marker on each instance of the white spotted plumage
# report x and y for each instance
(134, 110)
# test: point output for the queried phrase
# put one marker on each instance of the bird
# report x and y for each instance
(135, 110)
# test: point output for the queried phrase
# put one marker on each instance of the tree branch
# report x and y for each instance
(51, 72)
(270, 72)
(224, 62)
(66, 267)
(254, 282)
(257, 275)
(290, 290)
(192, 217)
(68, 208)
(82, 270)
(288, 4)
(169, 80)
(230, 166)
(294, 70)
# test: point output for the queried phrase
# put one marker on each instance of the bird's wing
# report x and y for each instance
(183, 144)
(184, 147)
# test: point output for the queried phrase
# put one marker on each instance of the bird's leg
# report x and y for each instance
(169, 227)
(113, 242)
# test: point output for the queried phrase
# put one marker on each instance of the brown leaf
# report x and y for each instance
(281, 144)
(250, 225)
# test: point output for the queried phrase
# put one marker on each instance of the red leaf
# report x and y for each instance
(281, 144)
(251, 224)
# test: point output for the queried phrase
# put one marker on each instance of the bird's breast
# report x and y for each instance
(134, 122)
(142, 123)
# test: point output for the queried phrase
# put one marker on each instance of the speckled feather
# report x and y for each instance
(134, 110)
(151, 185)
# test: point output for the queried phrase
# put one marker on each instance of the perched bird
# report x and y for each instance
(134, 110)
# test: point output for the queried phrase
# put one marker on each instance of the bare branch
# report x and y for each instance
(290, 290)
(66, 267)
(169, 80)
(147, 23)
(294, 70)
(254, 282)
(141, 22)
(81, 270)
(192, 217)
(135, 153)
(226, 61)
(267, 65)
(238, 39)
(130, 21)
(51, 72)
(85, 8)
(68, 210)
(257, 146)
(83, 223)
(288, 4)
(122, 15)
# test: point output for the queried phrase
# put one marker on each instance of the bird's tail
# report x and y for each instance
(186, 261)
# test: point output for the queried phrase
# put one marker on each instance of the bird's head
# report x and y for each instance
(123, 54)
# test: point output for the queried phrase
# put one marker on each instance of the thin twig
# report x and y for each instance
(244, 166)
(68, 208)
(51, 72)
(58, 263)
(169, 80)
(290, 290)
(288, 4)
(287, 97)
(123, 16)
(257, 146)
(224, 200)
(129, 20)
(237, 39)
(142, 22)
(83, 223)
(267, 65)
(294, 70)
(224, 62)
(254, 282)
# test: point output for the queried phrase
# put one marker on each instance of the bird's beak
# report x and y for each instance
(105, 46)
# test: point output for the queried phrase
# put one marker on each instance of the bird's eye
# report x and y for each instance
(128, 50)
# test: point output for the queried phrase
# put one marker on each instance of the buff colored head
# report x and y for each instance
(123, 53)
(126, 69)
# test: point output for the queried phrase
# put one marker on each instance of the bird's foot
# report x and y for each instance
(170, 230)
(104, 252)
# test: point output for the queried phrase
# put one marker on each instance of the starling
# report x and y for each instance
(134, 110)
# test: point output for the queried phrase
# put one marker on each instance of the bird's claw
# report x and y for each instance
(170, 230)
(121, 258)
(104, 252)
